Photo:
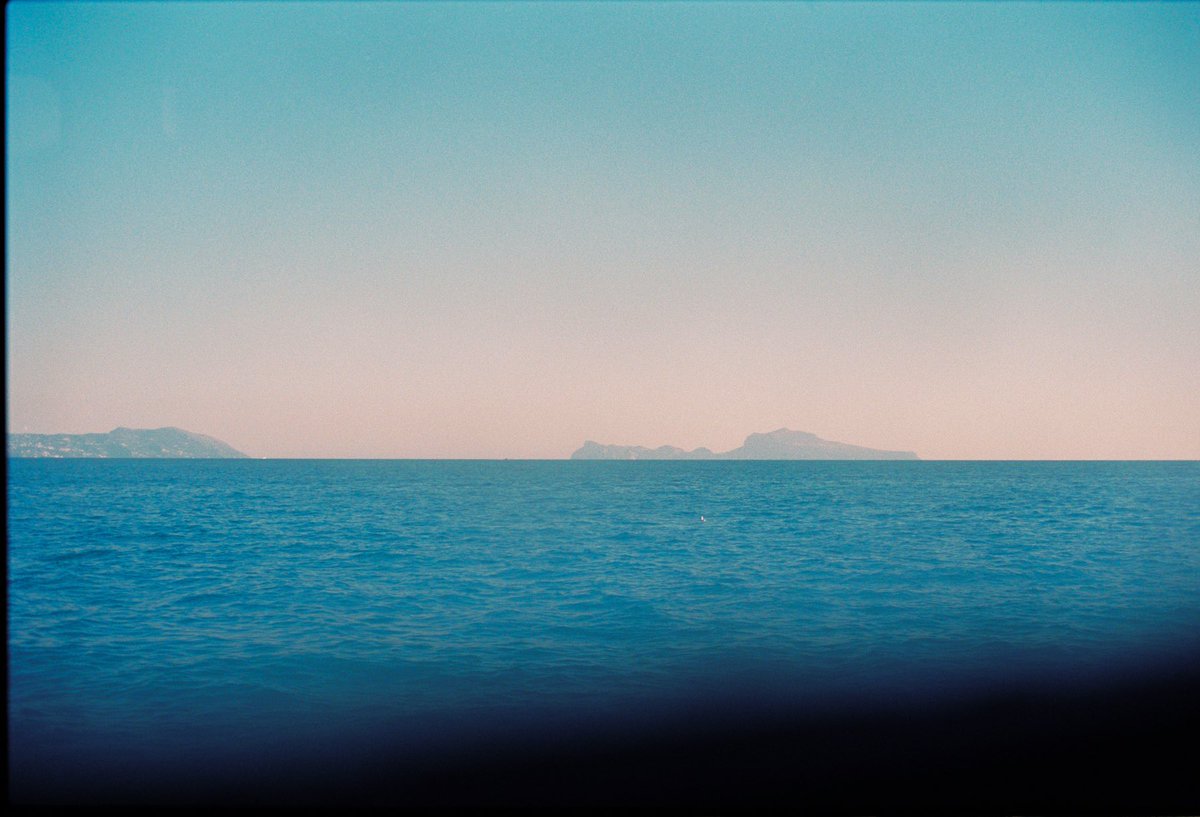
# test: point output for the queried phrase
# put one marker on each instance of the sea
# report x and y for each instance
(192, 630)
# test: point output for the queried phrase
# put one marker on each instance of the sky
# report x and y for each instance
(494, 230)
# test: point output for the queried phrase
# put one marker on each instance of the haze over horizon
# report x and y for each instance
(498, 230)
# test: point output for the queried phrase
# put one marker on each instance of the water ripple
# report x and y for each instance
(154, 599)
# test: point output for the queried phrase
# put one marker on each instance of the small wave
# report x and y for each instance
(86, 553)
(199, 597)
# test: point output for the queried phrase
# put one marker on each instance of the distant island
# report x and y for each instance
(123, 443)
(782, 444)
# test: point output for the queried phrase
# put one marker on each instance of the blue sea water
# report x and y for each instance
(164, 609)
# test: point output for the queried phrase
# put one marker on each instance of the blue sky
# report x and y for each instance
(494, 230)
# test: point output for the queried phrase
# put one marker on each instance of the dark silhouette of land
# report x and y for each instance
(123, 443)
(781, 444)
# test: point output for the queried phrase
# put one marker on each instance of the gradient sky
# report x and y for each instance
(495, 230)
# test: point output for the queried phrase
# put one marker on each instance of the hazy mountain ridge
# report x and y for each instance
(781, 444)
(123, 443)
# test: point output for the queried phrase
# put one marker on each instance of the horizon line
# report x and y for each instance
(570, 459)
